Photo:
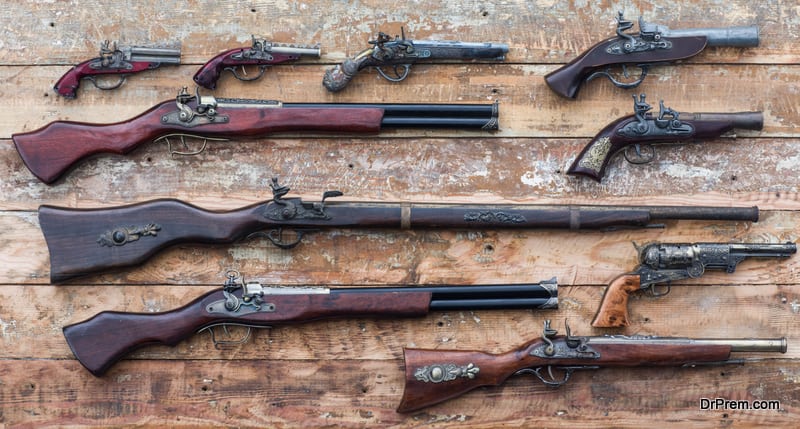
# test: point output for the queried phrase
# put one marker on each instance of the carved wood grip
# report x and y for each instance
(613, 311)
(336, 78)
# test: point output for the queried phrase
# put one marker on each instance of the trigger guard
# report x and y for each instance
(400, 77)
(644, 159)
(261, 69)
(109, 87)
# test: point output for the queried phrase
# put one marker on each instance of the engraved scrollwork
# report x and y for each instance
(596, 155)
(123, 235)
(648, 39)
(493, 217)
(438, 373)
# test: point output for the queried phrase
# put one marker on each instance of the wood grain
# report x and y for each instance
(349, 373)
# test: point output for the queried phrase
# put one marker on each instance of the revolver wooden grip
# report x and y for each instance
(613, 311)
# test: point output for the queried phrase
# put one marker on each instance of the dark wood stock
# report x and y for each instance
(495, 369)
(68, 84)
(567, 80)
(613, 310)
(53, 149)
(107, 337)
(210, 72)
(706, 126)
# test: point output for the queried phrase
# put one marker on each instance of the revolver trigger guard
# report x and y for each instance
(243, 77)
(109, 87)
(399, 77)
(624, 85)
(656, 293)
(639, 157)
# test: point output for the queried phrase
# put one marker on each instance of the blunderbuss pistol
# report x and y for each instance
(51, 150)
(661, 263)
(261, 53)
(86, 241)
(654, 44)
(104, 339)
(116, 60)
(398, 54)
(434, 376)
(637, 134)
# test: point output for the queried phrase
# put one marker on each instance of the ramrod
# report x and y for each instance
(85, 241)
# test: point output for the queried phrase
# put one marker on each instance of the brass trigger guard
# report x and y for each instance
(221, 344)
(399, 77)
(639, 157)
(261, 69)
(119, 83)
(625, 85)
(183, 142)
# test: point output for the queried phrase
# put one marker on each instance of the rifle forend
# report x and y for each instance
(121, 61)
(85, 241)
(643, 130)
(664, 262)
(107, 337)
(51, 150)
(262, 53)
(399, 54)
(654, 44)
(433, 376)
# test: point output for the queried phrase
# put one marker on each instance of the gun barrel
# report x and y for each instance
(741, 120)
(541, 295)
(296, 50)
(764, 249)
(155, 55)
(702, 213)
(442, 49)
(743, 37)
(776, 345)
(483, 116)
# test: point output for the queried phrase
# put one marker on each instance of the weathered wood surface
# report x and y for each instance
(350, 372)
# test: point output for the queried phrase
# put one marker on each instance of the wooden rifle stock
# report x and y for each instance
(433, 376)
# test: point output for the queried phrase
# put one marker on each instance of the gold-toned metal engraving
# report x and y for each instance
(596, 155)
(438, 373)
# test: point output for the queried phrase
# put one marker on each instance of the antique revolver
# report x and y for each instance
(654, 44)
(116, 60)
(400, 53)
(262, 53)
(665, 262)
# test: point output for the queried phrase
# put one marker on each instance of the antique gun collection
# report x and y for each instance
(85, 241)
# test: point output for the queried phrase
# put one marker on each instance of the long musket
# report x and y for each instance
(86, 241)
(51, 150)
(107, 337)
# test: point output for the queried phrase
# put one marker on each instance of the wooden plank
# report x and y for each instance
(70, 32)
(354, 393)
(496, 171)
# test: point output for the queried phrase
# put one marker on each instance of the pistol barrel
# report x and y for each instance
(442, 49)
(741, 120)
(764, 249)
(295, 50)
(742, 37)
(155, 55)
